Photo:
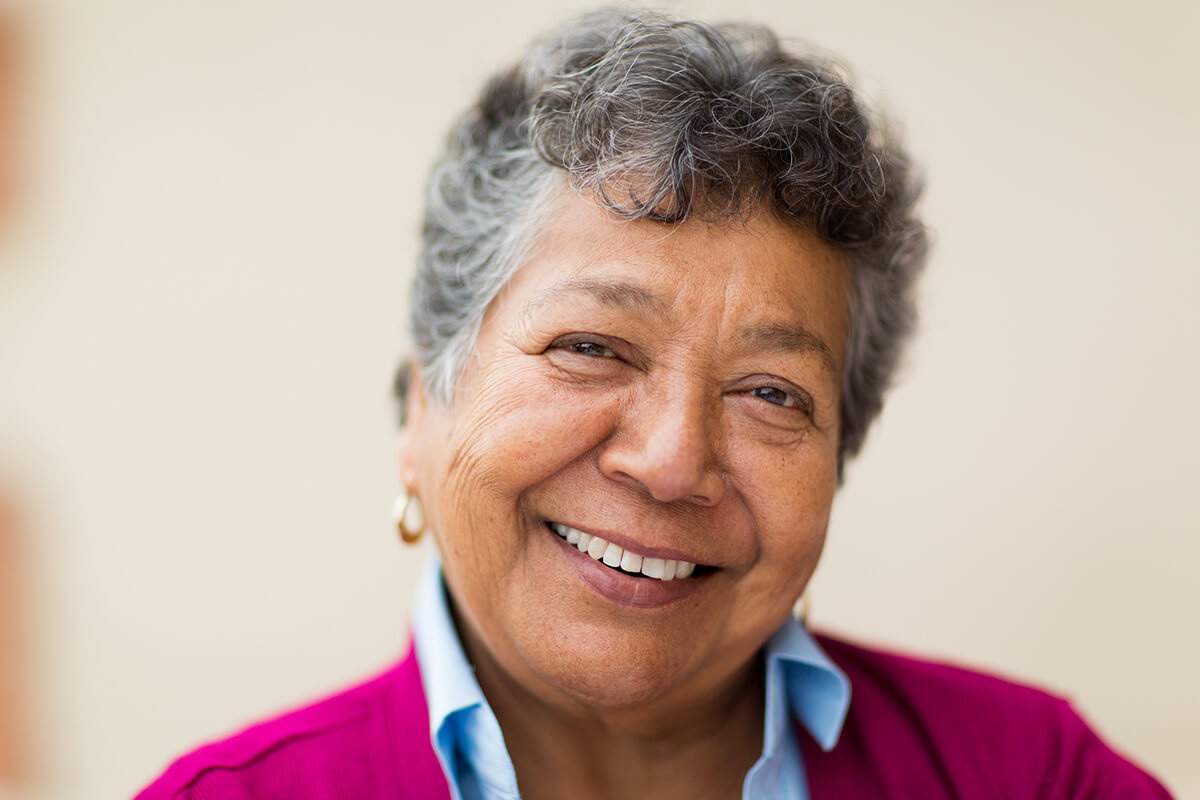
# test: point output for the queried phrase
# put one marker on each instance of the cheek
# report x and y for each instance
(525, 423)
(788, 558)
(792, 499)
(514, 430)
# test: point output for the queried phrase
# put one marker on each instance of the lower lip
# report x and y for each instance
(625, 589)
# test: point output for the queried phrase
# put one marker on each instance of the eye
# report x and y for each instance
(593, 349)
(585, 344)
(591, 354)
(773, 395)
(783, 398)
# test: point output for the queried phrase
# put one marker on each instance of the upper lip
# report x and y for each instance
(625, 543)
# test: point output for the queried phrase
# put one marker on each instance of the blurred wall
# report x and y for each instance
(201, 305)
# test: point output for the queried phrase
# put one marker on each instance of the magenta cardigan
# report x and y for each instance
(915, 730)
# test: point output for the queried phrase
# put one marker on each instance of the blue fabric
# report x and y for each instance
(802, 683)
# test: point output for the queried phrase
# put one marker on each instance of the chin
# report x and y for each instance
(613, 672)
(612, 686)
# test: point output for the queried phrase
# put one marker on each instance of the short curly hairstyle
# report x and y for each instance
(668, 120)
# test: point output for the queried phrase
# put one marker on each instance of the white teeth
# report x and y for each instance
(614, 556)
(596, 548)
(653, 567)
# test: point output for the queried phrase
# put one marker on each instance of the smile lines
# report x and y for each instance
(604, 551)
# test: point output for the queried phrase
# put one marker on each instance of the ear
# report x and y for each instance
(415, 407)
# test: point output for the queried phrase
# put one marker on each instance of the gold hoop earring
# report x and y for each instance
(409, 517)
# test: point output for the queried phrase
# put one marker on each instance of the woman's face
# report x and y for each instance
(673, 391)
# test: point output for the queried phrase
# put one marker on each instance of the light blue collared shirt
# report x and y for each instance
(802, 683)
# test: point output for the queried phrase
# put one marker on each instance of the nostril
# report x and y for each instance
(667, 483)
(667, 451)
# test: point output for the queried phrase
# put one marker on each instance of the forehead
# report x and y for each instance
(754, 271)
(594, 233)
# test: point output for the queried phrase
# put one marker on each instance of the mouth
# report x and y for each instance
(627, 561)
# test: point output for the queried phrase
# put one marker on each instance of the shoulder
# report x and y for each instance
(341, 746)
(966, 732)
(884, 680)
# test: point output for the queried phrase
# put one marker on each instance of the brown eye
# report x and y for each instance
(591, 349)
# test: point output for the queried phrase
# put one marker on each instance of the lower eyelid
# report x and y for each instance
(798, 404)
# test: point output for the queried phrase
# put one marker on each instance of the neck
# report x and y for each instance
(688, 745)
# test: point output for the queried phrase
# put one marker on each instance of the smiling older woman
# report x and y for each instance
(666, 275)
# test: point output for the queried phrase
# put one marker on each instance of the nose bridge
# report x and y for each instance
(668, 441)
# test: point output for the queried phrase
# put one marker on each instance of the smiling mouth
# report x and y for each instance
(621, 560)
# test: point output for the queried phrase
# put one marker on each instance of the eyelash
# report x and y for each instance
(590, 346)
(584, 347)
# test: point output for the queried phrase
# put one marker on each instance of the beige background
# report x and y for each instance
(201, 303)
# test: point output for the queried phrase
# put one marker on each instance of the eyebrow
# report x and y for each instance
(618, 294)
(773, 337)
(786, 339)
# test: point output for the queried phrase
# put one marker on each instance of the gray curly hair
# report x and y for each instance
(669, 120)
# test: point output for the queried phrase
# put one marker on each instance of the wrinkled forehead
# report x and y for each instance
(751, 271)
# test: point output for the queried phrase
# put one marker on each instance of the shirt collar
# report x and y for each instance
(446, 674)
(462, 727)
(817, 691)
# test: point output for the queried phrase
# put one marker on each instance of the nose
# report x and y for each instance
(666, 443)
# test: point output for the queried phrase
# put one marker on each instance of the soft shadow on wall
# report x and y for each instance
(16, 770)
(10, 102)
